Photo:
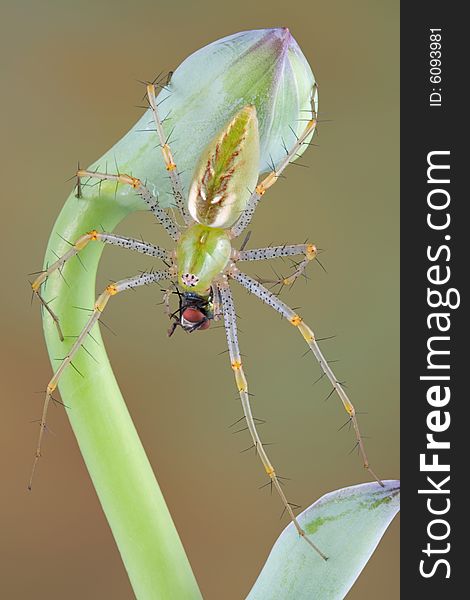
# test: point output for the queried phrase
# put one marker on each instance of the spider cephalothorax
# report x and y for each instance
(194, 313)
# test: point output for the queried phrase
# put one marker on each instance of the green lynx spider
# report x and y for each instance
(218, 209)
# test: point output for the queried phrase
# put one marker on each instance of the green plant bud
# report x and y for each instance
(264, 68)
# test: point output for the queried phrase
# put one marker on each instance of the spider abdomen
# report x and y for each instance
(227, 172)
(202, 253)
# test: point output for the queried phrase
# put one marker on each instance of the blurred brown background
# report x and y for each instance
(69, 90)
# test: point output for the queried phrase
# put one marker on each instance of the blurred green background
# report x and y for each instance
(70, 87)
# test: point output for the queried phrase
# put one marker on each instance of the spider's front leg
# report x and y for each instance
(99, 306)
(152, 201)
(228, 310)
(80, 244)
(271, 178)
(309, 251)
(175, 179)
(256, 288)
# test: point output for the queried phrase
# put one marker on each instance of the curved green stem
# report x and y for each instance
(126, 486)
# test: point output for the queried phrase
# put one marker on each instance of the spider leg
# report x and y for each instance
(309, 251)
(273, 176)
(82, 242)
(150, 199)
(217, 302)
(166, 301)
(228, 310)
(267, 297)
(176, 185)
(100, 304)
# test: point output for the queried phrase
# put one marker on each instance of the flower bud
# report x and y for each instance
(264, 68)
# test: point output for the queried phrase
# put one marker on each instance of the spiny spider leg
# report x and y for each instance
(228, 310)
(176, 185)
(166, 300)
(271, 178)
(82, 242)
(152, 201)
(99, 306)
(267, 297)
(216, 302)
(308, 250)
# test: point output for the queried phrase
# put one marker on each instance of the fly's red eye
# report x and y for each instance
(193, 315)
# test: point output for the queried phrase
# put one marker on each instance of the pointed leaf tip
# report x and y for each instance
(347, 525)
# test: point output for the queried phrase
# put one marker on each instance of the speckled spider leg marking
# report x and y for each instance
(100, 304)
(267, 297)
(271, 178)
(152, 201)
(82, 242)
(176, 185)
(308, 250)
(228, 310)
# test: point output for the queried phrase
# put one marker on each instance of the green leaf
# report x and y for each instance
(347, 526)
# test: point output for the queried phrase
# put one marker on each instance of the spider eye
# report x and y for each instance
(189, 279)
